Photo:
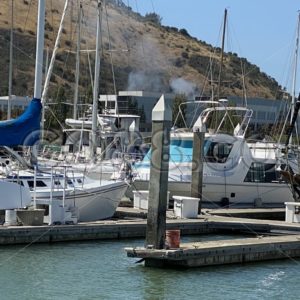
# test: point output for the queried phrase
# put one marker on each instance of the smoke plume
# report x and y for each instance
(182, 86)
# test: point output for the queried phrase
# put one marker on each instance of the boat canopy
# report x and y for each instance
(25, 129)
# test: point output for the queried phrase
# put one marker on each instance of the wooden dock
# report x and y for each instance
(221, 252)
(133, 225)
(271, 239)
(109, 229)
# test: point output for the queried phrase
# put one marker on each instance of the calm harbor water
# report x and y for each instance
(101, 270)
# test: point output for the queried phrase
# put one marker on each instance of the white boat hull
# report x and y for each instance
(101, 204)
(243, 194)
(97, 203)
(232, 175)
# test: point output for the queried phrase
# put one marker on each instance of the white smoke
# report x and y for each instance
(143, 81)
(148, 75)
(182, 86)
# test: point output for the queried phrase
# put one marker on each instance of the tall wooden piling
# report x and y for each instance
(158, 184)
(197, 167)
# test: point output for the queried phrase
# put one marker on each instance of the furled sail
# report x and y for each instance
(25, 129)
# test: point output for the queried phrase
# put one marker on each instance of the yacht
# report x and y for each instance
(235, 172)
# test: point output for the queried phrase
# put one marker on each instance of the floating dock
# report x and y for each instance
(270, 239)
(101, 230)
(210, 253)
(133, 225)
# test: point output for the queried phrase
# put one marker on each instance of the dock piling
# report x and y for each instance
(197, 167)
(158, 184)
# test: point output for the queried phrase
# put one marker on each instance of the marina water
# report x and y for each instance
(101, 270)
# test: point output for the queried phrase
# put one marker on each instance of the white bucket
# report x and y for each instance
(10, 217)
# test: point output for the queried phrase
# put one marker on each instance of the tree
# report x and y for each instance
(153, 18)
(184, 32)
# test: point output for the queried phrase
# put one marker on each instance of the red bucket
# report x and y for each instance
(172, 239)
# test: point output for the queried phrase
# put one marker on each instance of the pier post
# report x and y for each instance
(197, 165)
(158, 184)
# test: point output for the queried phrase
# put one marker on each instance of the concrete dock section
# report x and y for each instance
(221, 252)
(133, 225)
(271, 239)
(264, 239)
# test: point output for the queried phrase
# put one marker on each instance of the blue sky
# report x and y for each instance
(263, 31)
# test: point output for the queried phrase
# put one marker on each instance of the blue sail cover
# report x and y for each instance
(25, 129)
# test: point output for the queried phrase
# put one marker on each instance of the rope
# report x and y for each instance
(47, 80)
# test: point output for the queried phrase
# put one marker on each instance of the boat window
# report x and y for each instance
(217, 152)
(39, 183)
(79, 180)
(56, 182)
(18, 182)
(260, 172)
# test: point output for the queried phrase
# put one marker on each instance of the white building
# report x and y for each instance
(17, 103)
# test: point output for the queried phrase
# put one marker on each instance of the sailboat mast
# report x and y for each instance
(295, 68)
(222, 53)
(96, 83)
(10, 62)
(39, 50)
(77, 62)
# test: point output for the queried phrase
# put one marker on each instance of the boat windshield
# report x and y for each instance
(216, 152)
(182, 151)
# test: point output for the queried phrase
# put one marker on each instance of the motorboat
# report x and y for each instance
(235, 172)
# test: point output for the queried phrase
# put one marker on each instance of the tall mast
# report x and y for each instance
(77, 62)
(39, 50)
(96, 82)
(294, 76)
(38, 79)
(295, 67)
(10, 62)
(222, 53)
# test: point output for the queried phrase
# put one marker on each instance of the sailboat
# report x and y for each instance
(89, 199)
(97, 142)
